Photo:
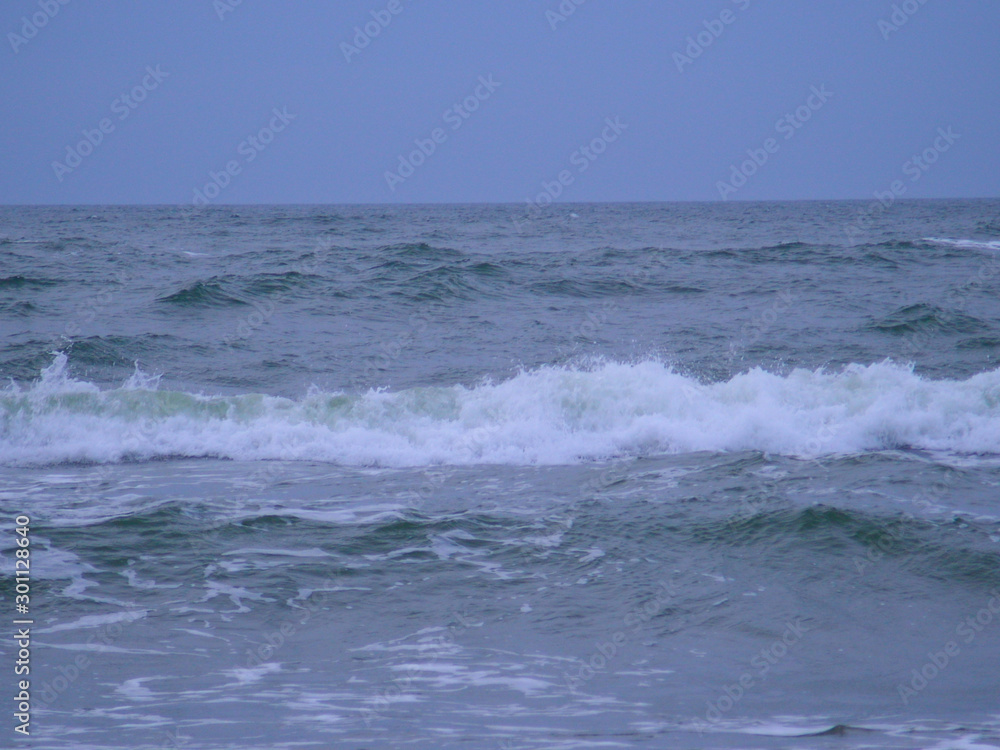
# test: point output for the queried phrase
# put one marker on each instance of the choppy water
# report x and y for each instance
(607, 476)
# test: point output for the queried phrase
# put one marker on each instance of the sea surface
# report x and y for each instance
(593, 476)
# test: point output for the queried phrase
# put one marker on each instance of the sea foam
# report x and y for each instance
(993, 246)
(550, 415)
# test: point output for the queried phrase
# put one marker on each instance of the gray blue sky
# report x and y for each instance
(553, 80)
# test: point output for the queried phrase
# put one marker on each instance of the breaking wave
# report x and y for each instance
(551, 415)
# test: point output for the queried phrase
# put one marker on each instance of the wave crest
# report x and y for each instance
(552, 415)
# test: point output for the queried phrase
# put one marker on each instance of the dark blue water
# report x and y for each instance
(678, 475)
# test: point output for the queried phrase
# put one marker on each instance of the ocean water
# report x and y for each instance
(598, 476)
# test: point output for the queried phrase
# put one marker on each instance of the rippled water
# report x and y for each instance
(620, 476)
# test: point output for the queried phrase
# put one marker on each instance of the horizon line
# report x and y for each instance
(494, 203)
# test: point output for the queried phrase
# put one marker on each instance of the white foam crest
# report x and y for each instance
(446, 676)
(993, 245)
(552, 415)
(55, 380)
(97, 621)
(141, 381)
(252, 674)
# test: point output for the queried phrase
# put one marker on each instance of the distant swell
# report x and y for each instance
(22, 282)
(924, 317)
(202, 294)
